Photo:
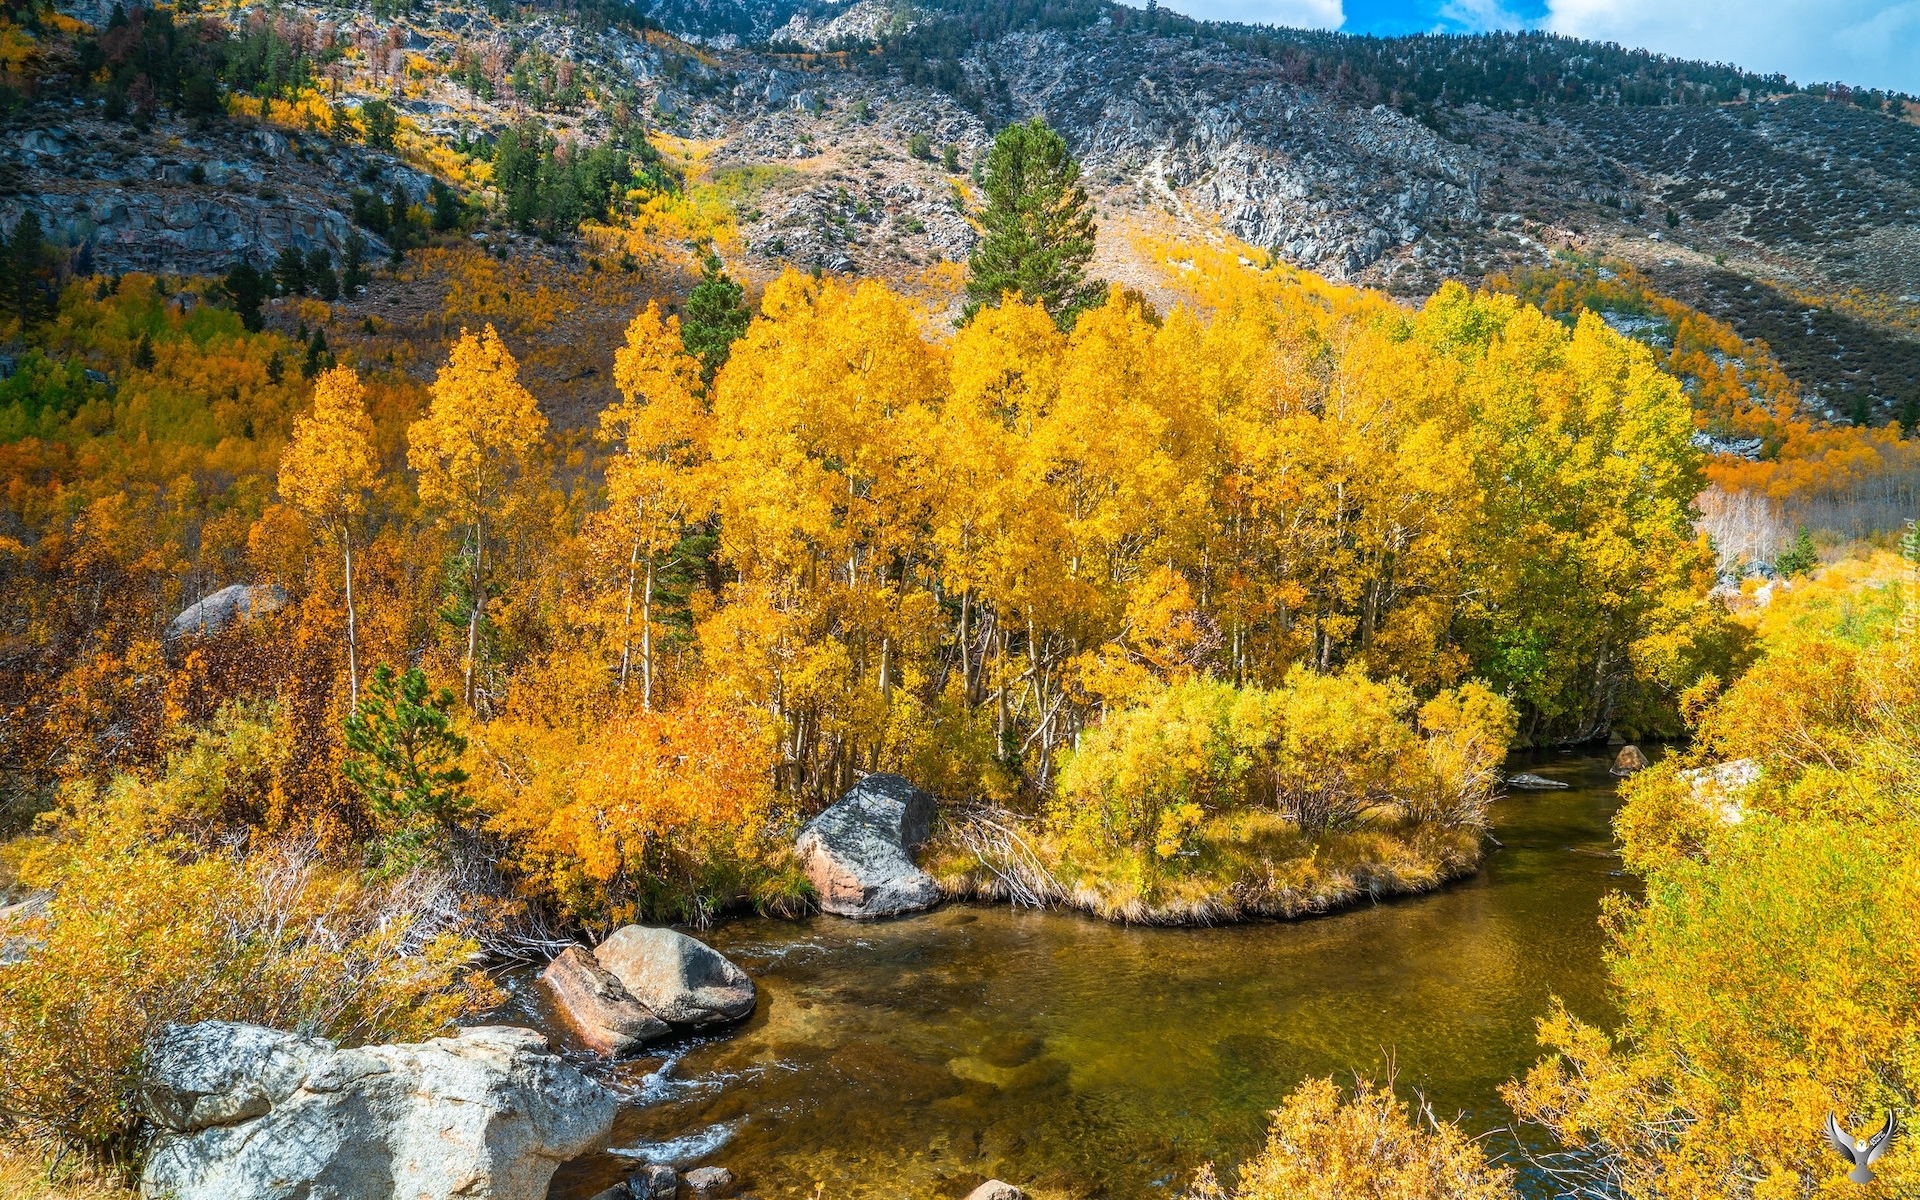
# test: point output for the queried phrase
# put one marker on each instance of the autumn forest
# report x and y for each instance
(338, 671)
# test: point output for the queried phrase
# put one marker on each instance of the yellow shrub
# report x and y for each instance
(143, 925)
(1369, 1148)
(648, 813)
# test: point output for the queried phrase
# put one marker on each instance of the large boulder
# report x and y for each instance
(680, 979)
(245, 1113)
(599, 1008)
(1719, 788)
(214, 613)
(859, 852)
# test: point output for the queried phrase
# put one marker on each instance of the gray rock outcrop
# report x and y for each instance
(680, 979)
(246, 1113)
(1719, 788)
(858, 853)
(230, 604)
(601, 1011)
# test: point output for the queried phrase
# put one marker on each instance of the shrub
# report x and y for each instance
(1369, 1148)
(650, 814)
(1768, 977)
(151, 920)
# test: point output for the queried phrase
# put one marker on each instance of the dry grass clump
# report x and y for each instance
(33, 1172)
(1249, 864)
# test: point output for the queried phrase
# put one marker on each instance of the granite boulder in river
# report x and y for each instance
(246, 1113)
(858, 853)
(598, 1006)
(680, 979)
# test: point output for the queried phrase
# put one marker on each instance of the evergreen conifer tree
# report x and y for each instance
(1038, 228)
(717, 315)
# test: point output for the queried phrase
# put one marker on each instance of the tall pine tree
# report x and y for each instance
(1037, 228)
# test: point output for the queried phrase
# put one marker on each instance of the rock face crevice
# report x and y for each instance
(246, 1113)
(858, 852)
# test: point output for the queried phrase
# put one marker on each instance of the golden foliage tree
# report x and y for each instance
(325, 472)
(656, 482)
(476, 449)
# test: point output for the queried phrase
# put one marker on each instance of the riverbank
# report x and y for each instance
(1243, 866)
(1078, 1057)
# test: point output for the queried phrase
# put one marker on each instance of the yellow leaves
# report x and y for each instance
(328, 466)
(482, 432)
(641, 802)
(1322, 1146)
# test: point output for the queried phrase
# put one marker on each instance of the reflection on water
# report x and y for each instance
(919, 1056)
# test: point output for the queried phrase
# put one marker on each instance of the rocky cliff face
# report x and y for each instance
(193, 200)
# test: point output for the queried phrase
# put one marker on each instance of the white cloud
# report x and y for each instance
(1477, 16)
(1300, 14)
(1874, 43)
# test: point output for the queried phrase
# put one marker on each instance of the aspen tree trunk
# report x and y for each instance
(966, 655)
(646, 641)
(353, 644)
(479, 605)
(626, 617)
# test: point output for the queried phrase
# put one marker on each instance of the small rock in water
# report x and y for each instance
(655, 1182)
(680, 979)
(707, 1182)
(619, 1191)
(1629, 760)
(994, 1189)
(1533, 782)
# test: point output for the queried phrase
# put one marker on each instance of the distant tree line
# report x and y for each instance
(1414, 73)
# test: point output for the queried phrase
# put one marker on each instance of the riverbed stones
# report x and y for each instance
(680, 979)
(656, 1181)
(1534, 783)
(598, 1006)
(706, 1183)
(1629, 761)
(247, 1113)
(994, 1189)
(858, 853)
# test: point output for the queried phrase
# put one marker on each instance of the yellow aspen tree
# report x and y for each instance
(480, 438)
(324, 473)
(655, 485)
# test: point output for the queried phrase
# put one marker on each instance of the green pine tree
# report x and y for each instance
(717, 316)
(143, 359)
(247, 288)
(318, 357)
(1798, 558)
(1037, 228)
(404, 755)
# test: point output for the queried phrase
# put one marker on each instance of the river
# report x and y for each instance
(919, 1056)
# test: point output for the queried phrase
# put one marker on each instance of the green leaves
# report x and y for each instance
(717, 316)
(1798, 558)
(1037, 228)
(404, 753)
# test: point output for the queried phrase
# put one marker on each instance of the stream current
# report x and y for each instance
(919, 1056)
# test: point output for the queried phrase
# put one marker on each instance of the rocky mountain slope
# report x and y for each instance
(843, 135)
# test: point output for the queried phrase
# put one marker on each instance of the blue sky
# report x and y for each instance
(1873, 43)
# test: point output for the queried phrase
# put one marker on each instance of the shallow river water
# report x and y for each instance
(919, 1056)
